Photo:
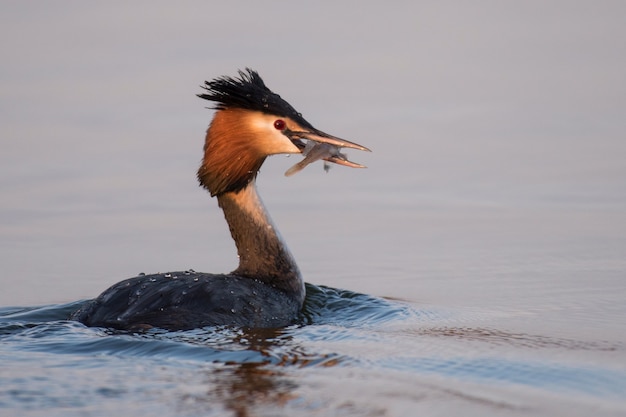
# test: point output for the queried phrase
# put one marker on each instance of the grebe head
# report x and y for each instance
(250, 124)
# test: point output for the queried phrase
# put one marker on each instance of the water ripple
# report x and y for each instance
(336, 329)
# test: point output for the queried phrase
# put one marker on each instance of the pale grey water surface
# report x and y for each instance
(492, 214)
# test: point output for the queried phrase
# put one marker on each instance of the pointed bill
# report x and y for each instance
(321, 145)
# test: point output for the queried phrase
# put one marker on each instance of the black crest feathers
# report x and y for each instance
(249, 92)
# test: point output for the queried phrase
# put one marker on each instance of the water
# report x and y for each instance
(476, 267)
(350, 354)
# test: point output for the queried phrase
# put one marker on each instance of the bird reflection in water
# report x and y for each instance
(247, 386)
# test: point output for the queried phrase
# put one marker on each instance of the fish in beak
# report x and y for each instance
(320, 145)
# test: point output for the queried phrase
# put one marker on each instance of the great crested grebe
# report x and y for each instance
(266, 290)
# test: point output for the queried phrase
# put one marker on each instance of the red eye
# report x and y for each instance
(280, 124)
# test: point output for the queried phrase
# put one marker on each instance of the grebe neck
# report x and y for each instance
(262, 253)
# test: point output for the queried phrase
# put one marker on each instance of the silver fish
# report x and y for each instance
(314, 151)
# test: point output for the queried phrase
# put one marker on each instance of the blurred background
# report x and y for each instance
(498, 131)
